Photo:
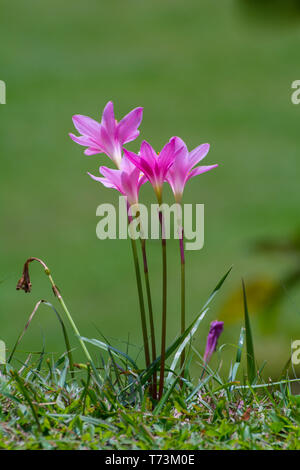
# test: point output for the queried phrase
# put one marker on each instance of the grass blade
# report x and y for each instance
(251, 368)
(63, 374)
(66, 338)
(183, 345)
(165, 397)
(238, 355)
(110, 349)
(27, 398)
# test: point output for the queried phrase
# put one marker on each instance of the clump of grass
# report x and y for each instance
(44, 408)
(58, 404)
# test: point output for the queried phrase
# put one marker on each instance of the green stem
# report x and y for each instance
(182, 262)
(141, 301)
(69, 316)
(182, 309)
(164, 305)
(149, 299)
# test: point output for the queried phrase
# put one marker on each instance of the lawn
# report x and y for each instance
(211, 422)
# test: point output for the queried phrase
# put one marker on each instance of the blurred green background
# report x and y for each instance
(208, 71)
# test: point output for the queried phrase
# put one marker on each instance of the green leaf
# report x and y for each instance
(183, 345)
(249, 341)
(63, 375)
(238, 355)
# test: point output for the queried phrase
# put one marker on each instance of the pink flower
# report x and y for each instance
(154, 166)
(182, 169)
(109, 136)
(216, 328)
(127, 180)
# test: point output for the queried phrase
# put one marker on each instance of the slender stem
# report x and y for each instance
(141, 301)
(164, 305)
(182, 280)
(152, 329)
(182, 274)
(76, 331)
(65, 309)
(182, 262)
(27, 398)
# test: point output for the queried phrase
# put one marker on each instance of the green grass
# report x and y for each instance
(52, 403)
(46, 410)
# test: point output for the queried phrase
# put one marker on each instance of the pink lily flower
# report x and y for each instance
(127, 180)
(182, 169)
(109, 136)
(216, 328)
(154, 166)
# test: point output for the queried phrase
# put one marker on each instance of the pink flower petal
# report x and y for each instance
(108, 118)
(215, 331)
(127, 166)
(148, 153)
(114, 176)
(81, 140)
(127, 127)
(92, 151)
(86, 126)
(107, 142)
(104, 181)
(167, 156)
(129, 187)
(133, 157)
(140, 163)
(199, 170)
(179, 144)
(198, 154)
